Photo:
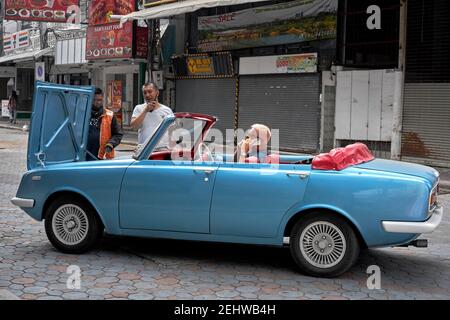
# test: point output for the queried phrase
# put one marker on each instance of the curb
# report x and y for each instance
(6, 126)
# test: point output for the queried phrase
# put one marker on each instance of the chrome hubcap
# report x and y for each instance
(70, 224)
(322, 244)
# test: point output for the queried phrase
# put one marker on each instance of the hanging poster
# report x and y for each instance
(291, 22)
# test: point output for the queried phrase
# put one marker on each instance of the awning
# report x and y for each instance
(26, 56)
(176, 8)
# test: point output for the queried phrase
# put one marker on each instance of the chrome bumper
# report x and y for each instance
(415, 227)
(23, 203)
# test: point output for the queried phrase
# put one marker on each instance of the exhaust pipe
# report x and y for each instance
(419, 243)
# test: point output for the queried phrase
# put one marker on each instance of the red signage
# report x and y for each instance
(40, 10)
(109, 41)
(141, 42)
(100, 11)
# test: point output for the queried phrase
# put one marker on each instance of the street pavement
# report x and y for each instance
(129, 268)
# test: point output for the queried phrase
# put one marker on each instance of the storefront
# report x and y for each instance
(206, 83)
(70, 64)
(114, 53)
(23, 78)
(426, 110)
(277, 55)
(282, 92)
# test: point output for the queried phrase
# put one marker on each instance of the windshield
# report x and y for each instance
(182, 134)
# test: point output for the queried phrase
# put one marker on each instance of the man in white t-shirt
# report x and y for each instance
(147, 117)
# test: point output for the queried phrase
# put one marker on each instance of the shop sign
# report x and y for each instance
(5, 110)
(40, 10)
(200, 66)
(296, 63)
(109, 41)
(290, 22)
(212, 65)
(141, 42)
(101, 10)
(16, 40)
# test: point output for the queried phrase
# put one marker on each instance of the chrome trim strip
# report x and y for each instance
(23, 203)
(415, 227)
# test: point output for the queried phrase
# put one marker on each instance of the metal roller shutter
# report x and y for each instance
(289, 103)
(426, 110)
(426, 123)
(215, 97)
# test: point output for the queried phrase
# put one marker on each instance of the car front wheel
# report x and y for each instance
(72, 225)
(324, 245)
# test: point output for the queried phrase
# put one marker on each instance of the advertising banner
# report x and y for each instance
(40, 10)
(5, 111)
(291, 22)
(16, 40)
(100, 11)
(295, 63)
(114, 98)
(109, 41)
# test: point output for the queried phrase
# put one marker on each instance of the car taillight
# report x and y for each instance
(433, 197)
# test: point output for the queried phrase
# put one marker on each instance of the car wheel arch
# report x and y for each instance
(306, 212)
(57, 194)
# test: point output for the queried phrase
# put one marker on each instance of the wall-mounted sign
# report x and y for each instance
(200, 66)
(215, 65)
(290, 22)
(295, 63)
(141, 41)
(16, 40)
(39, 71)
(100, 11)
(109, 41)
(40, 10)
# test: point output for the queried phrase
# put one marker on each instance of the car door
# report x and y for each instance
(250, 199)
(167, 196)
(59, 124)
(170, 195)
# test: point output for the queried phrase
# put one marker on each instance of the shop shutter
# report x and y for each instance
(290, 103)
(426, 110)
(215, 97)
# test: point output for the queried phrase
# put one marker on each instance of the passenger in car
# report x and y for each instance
(254, 147)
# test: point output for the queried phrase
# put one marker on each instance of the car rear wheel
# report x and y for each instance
(324, 245)
(72, 225)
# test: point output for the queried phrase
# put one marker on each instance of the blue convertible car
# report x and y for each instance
(325, 216)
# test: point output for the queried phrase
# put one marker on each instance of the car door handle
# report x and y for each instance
(301, 174)
(207, 171)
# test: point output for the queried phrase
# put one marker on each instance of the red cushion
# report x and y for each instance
(341, 158)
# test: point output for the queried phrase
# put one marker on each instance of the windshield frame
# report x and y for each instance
(144, 151)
